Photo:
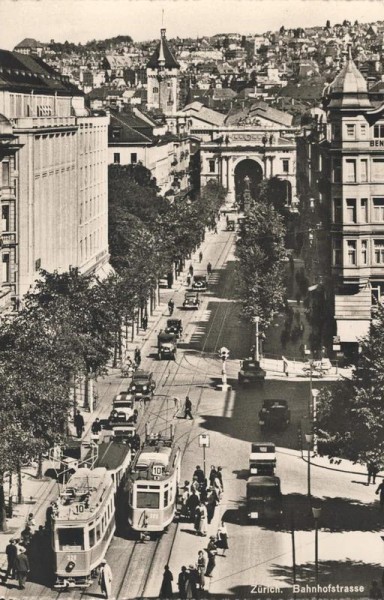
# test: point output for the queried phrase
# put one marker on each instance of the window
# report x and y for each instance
(5, 174)
(337, 211)
(351, 210)
(336, 131)
(378, 131)
(285, 165)
(133, 158)
(378, 209)
(337, 252)
(364, 252)
(116, 131)
(363, 131)
(92, 539)
(364, 170)
(165, 498)
(377, 170)
(148, 499)
(379, 251)
(5, 218)
(364, 210)
(71, 538)
(337, 170)
(351, 129)
(351, 252)
(98, 531)
(6, 273)
(155, 90)
(212, 166)
(116, 158)
(350, 170)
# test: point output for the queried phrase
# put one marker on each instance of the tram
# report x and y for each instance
(83, 517)
(152, 483)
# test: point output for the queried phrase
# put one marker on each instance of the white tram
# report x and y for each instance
(153, 483)
(83, 519)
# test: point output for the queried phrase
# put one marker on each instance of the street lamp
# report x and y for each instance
(257, 349)
(315, 393)
(309, 439)
(316, 515)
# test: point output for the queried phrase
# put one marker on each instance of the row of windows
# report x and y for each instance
(23, 105)
(91, 244)
(92, 207)
(358, 211)
(358, 252)
(358, 171)
(116, 158)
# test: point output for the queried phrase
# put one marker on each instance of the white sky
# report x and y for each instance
(83, 20)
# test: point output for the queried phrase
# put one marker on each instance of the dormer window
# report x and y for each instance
(116, 131)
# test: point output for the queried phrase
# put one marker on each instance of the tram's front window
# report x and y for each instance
(71, 538)
(148, 499)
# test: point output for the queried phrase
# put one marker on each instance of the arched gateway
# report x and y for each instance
(250, 169)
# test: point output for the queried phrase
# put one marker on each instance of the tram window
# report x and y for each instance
(165, 498)
(148, 499)
(98, 531)
(92, 539)
(71, 538)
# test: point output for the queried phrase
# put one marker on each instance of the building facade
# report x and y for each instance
(163, 78)
(57, 203)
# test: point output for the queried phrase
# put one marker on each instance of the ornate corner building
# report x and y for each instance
(53, 166)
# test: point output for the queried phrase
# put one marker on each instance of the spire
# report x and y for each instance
(162, 56)
(349, 88)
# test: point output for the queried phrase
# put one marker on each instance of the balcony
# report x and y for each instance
(7, 239)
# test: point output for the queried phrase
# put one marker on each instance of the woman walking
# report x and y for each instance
(222, 538)
(201, 565)
(202, 530)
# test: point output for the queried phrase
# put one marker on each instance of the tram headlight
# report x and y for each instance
(133, 387)
(145, 388)
(70, 566)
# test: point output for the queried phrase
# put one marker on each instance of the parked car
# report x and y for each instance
(274, 414)
(191, 300)
(262, 460)
(142, 385)
(174, 326)
(264, 499)
(200, 283)
(250, 371)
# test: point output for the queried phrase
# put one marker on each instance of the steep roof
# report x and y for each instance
(349, 88)
(29, 43)
(162, 56)
(198, 110)
(24, 73)
(128, 128)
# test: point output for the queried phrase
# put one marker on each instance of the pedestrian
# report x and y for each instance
(220, 476)
(177, 403)
(215, 228)
(211, 505)
(187, 408)
(380, 490)
(200, 256)
(190, 270)
(217, 487)
(186, 492)
(209, 268)
(182, 582)
(193, 582)
(199, 473)
(192, 504)
(188, 280)
(11, 553)
(196, 523)
(96, 426)
(171, 306)
(372, 472)
(375, 592)
(22, 567)
(202, 529)
(201, 566)
(31, 523)
(222, 538)
(145, 322)
(166, 585)
(105, 578)
(211, 551)
(137, 356)
(196, 486)
(26, 536)
(79, 423)
(212, 475)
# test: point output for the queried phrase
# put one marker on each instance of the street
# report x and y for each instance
(259, 558)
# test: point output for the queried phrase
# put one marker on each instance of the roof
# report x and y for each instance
(262, 110)
(266, 480)
(111, 455)
(162, 56)
(354, 306)
(29, 43)
(24, 73)
(87, 488)
(349, 88)
(128, 128)
(118, 61)
(198, 110)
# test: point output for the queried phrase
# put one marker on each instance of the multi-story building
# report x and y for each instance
(54, 175)
(162, 78)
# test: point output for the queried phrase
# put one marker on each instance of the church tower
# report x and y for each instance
(163, 78)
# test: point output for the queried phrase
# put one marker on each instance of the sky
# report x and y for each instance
(84, 20)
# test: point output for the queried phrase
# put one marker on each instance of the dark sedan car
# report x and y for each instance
(142, 385)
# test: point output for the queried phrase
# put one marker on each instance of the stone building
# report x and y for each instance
(163, 78)
(54, 175)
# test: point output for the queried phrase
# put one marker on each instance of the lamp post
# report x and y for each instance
(316, 515)
(315, 393)
(309, 438)
(257, 349)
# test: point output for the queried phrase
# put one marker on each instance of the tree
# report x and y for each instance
(350, 419)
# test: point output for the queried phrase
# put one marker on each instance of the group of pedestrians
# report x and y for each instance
(16, 552)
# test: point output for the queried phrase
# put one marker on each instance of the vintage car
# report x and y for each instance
(200, 283)
(191, 300)
(174, 326)
(142, 385)
(230, 225)
(124, 403)
(274, 414)
(262, 460)
(264, 499)
(250, 371)
(166, 346)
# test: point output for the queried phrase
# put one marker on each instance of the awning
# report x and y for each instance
(352, 330)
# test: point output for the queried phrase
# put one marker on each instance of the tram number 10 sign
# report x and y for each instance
(204, 440)
(157, 470)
